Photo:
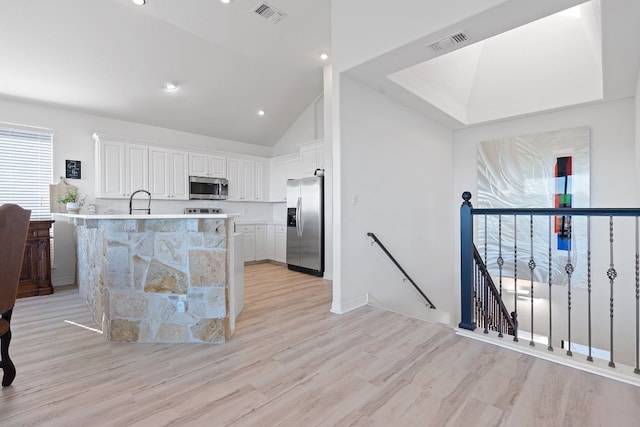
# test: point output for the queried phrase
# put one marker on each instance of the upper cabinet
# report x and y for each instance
(168, 178)
(282, 169)
(211, 165)
(311, 158)
(246, 179)
(122, 168)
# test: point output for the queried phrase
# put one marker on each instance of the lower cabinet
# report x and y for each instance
(35, 276)
(281, 243)
(249, 239)
(261, 242)
(264, 242)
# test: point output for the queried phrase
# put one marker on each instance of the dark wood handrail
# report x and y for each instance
(492, 287)
(384, 249)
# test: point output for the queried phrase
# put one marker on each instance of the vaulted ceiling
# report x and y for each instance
(112, 58)
(516, 58)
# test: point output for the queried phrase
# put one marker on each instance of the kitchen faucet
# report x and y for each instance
(148, 209)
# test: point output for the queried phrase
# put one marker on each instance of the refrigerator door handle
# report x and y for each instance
(298, 217)
(301, 217)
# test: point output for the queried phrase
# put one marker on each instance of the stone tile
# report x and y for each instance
(118, 269)
(171, 249)
(170, 225)
(142, 244)
(215, 240)
(123, 330)
(209, 225)
(140, 266)
(165, 279)
(207, 267)
(186, 318)
(196, 240)
(161, 307)
(208, 302)
(169, 332)
(128, 304)
(209, 330)
(119, 226)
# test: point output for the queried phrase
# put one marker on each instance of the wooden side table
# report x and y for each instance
(35, 277)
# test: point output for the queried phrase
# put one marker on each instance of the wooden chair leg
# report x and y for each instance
(7, 365)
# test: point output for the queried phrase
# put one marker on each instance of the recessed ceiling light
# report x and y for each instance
(225, 1)
(324, 56)
(139, 2)
(261, 113)
(171, 86)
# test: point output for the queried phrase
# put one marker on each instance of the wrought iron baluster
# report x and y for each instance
(589, 357)
(514, 315)
(611, 274)
(485, 289)
(485, 240)
(500, 265)
(550, 346)
(532, 266)
(637, 369)
(568, 268)
(488, 305)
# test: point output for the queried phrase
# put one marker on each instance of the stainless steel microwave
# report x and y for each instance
(204, 188)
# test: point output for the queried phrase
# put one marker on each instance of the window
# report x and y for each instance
(26, 168)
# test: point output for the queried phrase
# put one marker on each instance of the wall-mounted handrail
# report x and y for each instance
(384, 249)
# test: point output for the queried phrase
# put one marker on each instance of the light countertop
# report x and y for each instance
(259, 222)
(152, 216)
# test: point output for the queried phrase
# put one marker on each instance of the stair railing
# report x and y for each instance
(477, 287)
(406, 275)
(491, 313)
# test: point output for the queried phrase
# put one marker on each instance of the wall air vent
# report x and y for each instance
(269, 13)
(448, 42)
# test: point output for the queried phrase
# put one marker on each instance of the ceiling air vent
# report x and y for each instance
(269, 13)
(448, 42)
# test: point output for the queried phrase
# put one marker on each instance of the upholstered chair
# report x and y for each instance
(14, 225)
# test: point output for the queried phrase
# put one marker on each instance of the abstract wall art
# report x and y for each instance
(541, 170)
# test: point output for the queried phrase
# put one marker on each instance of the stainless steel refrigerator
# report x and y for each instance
(305, 225)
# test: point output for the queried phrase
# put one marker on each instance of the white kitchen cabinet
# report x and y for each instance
(258, 181)
(282, 169)
(261, 242)
(271, 241)
(249, 239)
(121, 168)
(246, 180)
(311, 158)
(280, 244)
(168, 177)
(211, 165)
(264, 242)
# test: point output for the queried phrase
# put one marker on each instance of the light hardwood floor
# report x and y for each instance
(292, 363)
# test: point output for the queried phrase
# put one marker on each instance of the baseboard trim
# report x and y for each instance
(341, 307)
(622, 373)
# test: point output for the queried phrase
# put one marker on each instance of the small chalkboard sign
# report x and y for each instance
(73, 169)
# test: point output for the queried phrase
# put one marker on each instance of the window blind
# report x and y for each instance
(26, 168)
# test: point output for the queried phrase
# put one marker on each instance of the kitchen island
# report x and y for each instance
(157, 278)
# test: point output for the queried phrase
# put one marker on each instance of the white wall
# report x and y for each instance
(637, 134)
(613, 184)
(309, 126)
(395, 182)
(72, 140)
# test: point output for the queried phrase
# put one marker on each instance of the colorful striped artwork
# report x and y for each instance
(563, 195)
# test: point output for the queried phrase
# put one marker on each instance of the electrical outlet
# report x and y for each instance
(182, 303)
